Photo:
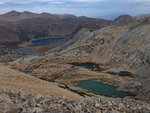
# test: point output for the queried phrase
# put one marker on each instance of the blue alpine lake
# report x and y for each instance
(47, 41)
(100, 88)
(27, 51)
(40, 42)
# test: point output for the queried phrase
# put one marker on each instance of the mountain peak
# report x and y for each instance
(12, 13)
(122, 19)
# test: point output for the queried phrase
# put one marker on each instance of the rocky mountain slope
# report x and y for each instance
(116, 48)
(114, 45)
(8, 32)
(130, 48)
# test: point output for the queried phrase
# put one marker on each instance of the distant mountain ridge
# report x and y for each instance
(115, 16)
(14, 15)
(20, 27)
(24, 26)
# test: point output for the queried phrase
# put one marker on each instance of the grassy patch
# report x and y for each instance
(66, 87)
(75, 91)
(48, 80)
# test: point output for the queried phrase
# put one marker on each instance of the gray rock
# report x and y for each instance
(36, 110)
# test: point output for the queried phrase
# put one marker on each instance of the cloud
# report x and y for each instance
(92, 8)
(63, 1)
(86, 0)
(143, 0)
(55, 2)
(49, 1)
(1, 2)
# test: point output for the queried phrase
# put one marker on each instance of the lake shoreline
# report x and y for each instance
(33, 48)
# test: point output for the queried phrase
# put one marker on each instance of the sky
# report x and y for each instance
(90, 8)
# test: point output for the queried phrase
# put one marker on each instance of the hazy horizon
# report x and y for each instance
(89, 8)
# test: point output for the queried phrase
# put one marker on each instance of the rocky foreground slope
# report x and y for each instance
(20, 102)
(21, 93)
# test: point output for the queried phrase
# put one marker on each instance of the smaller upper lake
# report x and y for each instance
(47, 41)
(100, 88)
(40, 42)
(26, 72)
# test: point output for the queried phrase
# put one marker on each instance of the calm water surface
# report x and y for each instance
(102, 89)
(42, 42)
(27, 51)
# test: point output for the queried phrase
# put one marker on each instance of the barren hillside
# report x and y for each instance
(17, 80)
